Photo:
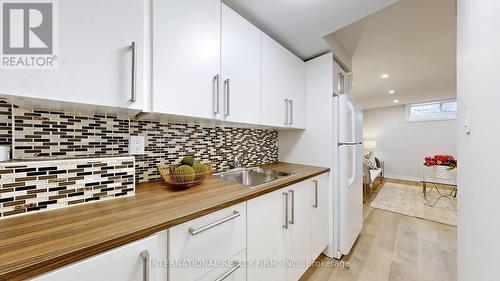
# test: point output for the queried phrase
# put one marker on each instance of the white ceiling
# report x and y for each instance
(414, 41)
(300, 25)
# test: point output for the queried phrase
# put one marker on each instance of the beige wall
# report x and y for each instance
(403, 145)
(339, 53)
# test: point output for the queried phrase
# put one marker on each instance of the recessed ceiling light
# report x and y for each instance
(395, 101)
(392, 92)
(384, 76)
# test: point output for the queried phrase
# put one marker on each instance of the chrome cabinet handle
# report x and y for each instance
(229, 272)
(291, 111)
(292, 219)
(286, 112)
(214, 224)
(315, 194)
(145, 265)
(350, 143)
(133, 84)
(285, 225)
(226, 96)
(215, 93)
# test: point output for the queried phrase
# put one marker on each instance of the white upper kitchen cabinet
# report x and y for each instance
(186, 57)
(241, 59)
(298, 95)
(130, 262)
(282, 86)
(92, 55)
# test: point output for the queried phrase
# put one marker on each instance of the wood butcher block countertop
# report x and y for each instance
(40, 242)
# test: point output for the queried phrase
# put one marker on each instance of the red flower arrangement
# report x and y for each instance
(441, 160)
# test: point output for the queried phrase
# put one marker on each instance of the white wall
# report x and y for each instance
(403, 145)
(339, 53)
(478, 85)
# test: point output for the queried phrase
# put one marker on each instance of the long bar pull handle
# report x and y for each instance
(145, 265)
(285, 225)
(227, 90)
(349, 143)
(291, 112)
(133, 84)
(235, 267)
(215, 92)
(292, 219)
(315, 194)
(286, 112)
(214, 224)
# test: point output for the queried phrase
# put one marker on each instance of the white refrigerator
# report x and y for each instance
(347, 167)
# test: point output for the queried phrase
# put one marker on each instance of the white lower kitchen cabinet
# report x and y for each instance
(319, 220)
(279, 236)
(271, 237)
(131, 262)
(266, 240)
(196, 245)
(298, 239)
(232, 269)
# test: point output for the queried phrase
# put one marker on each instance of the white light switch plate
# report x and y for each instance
(136, 145)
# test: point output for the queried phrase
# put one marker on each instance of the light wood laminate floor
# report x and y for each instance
(395, 247)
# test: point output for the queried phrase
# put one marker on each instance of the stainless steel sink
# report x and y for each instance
(251, 177)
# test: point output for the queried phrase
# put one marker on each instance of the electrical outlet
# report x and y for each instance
(136, 145)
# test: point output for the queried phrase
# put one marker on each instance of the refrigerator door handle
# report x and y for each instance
(353, 176)
(353, 131)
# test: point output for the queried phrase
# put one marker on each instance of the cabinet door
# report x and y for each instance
(240, 68)
(217, 243)
(298, 94)
(186, 57)
(94, 57)
(121, 264)
(320, 221)
(274, 76)
(283, 79)
(266, 237)
(234, 269)
(299, 231)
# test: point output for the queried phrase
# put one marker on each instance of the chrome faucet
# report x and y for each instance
(237, 159)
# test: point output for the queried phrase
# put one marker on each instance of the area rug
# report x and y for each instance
(409, 200)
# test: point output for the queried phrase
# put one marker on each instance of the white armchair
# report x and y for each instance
(370, 176)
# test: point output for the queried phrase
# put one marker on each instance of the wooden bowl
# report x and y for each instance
(166, 172)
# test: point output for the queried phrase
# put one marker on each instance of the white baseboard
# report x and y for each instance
(399, 177)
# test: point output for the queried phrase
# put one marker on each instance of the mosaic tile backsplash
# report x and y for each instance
(5, 123)
(38, 133)
(43, 185)
(45, 134)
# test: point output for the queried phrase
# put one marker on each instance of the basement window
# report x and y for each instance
(432, 111)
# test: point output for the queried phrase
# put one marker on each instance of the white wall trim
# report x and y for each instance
(400, 177)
